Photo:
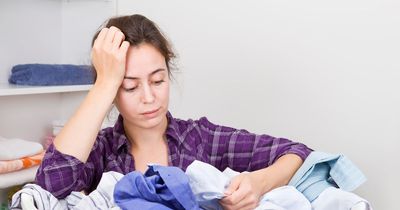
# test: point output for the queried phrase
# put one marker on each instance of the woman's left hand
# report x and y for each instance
(244, 192)
(246, 189)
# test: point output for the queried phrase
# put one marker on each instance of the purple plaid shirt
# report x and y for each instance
(188, 140)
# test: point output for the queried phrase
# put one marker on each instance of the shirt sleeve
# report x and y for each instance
(241, 150)
(60, 174)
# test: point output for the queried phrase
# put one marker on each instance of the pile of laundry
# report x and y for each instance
(323, 182)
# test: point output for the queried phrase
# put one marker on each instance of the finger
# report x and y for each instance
(248, 207)
(110, 35)
(118, 38)
(224, 206)
(100, 37)
(236, 198)
(124, 49)
(242, 205)
(233, 186)
(249, 202)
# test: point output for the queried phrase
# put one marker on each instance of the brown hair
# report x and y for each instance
(138, 30)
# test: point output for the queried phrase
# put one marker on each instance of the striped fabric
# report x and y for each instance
(101, 198)
(188, 140)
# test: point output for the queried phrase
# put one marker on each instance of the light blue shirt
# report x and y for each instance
(322, 170)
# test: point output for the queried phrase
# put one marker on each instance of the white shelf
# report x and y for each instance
(10, 90)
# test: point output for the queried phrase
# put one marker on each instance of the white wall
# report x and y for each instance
(322, 72)
(80, 21)
(30, 32)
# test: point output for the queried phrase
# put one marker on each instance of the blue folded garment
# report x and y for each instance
(161, 188)
(51, 74)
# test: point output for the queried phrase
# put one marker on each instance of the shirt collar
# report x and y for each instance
(172, 132)
(119, 134)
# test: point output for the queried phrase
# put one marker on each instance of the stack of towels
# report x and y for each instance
(19, 161)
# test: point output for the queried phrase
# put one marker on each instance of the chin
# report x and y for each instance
(153, 122)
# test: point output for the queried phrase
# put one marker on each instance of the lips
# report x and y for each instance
(150, 112)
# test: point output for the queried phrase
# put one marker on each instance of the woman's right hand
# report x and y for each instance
(109, 56)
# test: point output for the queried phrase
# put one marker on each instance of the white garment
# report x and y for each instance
(18, 177)
(284, 198)
(101, 198)
(337, 199)
(208, 185)
(206, 181)
(11, 149)
(38, 194)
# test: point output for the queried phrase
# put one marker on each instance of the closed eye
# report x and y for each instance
(158, 82)
(130, 89)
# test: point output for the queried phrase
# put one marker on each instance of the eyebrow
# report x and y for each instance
(152, 73)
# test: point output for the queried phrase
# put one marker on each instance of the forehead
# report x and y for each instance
(143, 59)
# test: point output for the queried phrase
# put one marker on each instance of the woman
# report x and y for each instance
(132, 61)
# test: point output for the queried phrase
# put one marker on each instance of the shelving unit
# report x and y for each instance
(9, 89)
(28, 111)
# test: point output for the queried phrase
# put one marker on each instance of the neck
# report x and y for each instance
(146, 137)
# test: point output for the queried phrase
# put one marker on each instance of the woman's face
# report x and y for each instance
(143, 96)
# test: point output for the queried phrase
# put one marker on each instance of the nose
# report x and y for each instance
(147, 94)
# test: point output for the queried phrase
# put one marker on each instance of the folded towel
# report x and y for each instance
(12, 149)
(51, 74)
(18, 177)
(7, 166)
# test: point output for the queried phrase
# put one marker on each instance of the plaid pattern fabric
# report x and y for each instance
(188, 140)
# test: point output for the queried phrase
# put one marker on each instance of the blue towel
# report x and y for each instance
(51, 74)
(160, 188)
